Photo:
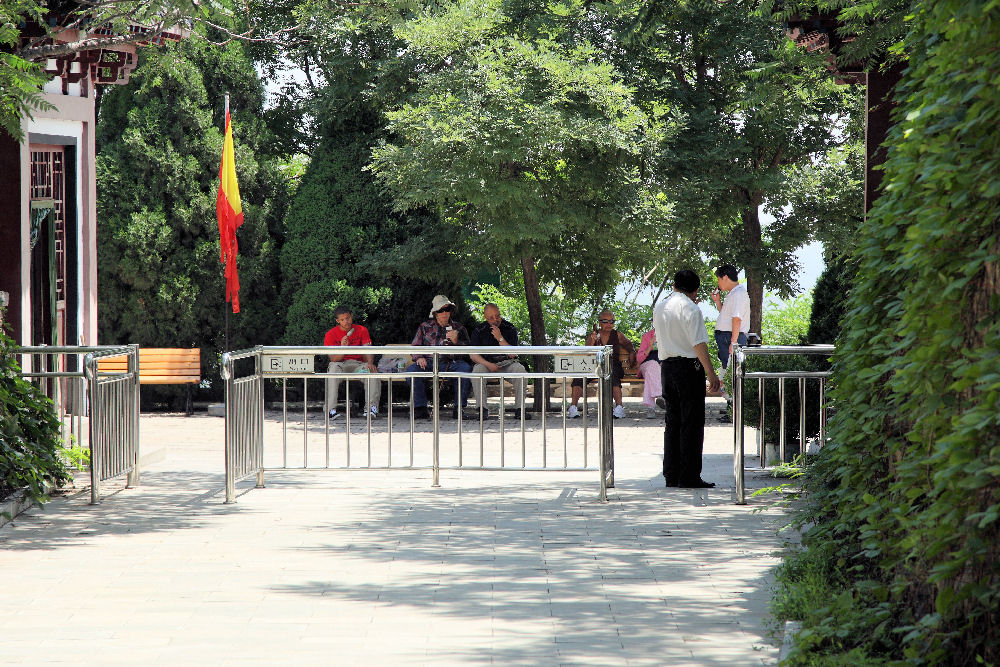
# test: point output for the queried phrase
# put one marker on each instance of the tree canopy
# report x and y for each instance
(756, 109)
(527, 143)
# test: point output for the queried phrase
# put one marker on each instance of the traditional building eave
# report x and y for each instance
(109, 64)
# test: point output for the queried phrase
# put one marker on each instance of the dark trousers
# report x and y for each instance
(722, 340)
(457, 366)
(683, 383)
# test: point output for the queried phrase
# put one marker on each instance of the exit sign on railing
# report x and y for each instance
(286, 363)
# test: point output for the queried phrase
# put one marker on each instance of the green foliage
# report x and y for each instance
(29, 432)
(160, 280)
(905, 500)
(786, 322)
(75, 456)
(527, 142)
(756, 111)
(21, 80)
(340, 230)
(824, 197)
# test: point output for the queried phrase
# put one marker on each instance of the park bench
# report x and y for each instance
(162, 365)
(638, 382)
(401, 393)
(630, 377)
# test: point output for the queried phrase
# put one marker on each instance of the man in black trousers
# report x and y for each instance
(682, 342)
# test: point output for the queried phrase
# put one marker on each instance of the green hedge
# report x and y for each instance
(904, 505)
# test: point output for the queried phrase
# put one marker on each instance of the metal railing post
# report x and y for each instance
(96, 457)
(822, 412)
(802, 416)
(604, 418)
(133, 416)
(760, 421)
(738, 444)
(781, 419)
(436, 437)
(258, 404)
(226, 370)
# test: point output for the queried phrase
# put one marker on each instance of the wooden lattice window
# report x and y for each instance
(48, 181)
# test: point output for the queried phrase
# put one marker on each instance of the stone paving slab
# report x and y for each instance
(376, 567)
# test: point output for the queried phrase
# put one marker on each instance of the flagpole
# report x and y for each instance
(225, 302)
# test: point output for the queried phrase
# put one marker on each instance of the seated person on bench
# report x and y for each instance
(604, 333)
(348, 333)
(439, 330)
(496, 331)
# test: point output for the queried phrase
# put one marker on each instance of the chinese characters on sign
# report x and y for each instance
(288, 363)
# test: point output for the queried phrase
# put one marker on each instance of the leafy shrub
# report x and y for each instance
(786, 323)
(29, 432)
(905, 502)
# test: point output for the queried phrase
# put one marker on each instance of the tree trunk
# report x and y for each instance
(533, 297)
(752, 242)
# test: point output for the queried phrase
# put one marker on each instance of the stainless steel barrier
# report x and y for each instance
(245, 424)
(108, 401)
(244, 421)
(738, 368)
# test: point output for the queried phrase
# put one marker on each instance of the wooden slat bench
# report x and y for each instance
(162, 365)
(630, 379)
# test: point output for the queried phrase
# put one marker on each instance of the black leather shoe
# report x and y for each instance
(421, 413)
(699, 484)
(671, 483)
(527, 415)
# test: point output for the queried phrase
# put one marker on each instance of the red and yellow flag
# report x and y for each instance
(230, 213)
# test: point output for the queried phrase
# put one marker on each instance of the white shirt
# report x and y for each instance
(736, 304)
(679, 326)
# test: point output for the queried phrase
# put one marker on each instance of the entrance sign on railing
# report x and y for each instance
(738, 368)
(245, 372)
(109, 401)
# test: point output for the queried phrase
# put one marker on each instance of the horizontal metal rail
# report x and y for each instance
(109, 402)
(739, 361)
(244, 430)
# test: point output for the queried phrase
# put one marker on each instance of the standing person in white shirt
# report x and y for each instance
(733, 324)
(682, 341)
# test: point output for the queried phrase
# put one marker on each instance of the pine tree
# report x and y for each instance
(160, 281)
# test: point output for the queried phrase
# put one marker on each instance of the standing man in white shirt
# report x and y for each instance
(682, 341)
(733, 324)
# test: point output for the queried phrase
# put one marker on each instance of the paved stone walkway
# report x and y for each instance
(378, 568)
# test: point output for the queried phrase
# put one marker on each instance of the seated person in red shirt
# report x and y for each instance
(348, 333)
